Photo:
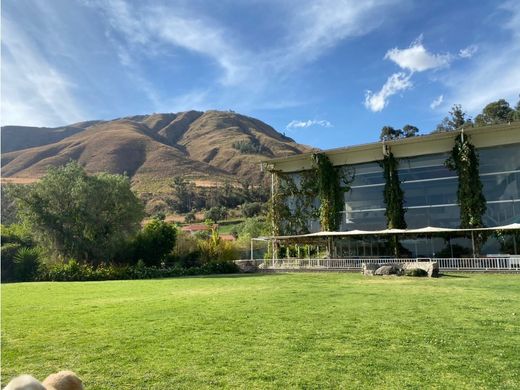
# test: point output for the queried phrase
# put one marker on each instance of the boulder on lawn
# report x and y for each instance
(368, 269)
(247, 266)
(433, 270)
(388, 270)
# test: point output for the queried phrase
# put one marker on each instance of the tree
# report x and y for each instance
(458, 117)
(154, 242)
(251, 209)
(216, 214)
(410, 131)
(252, 227)
(184, 193)
(76, 215)
(388, 133)
(495, 112)
(516, 114)
(456, 120)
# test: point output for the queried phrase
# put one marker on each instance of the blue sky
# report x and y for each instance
(327, 73)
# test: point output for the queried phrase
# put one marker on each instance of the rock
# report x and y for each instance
(433, 270)
(247, 266)
(368, 269)
(388, 270)
(431, 267)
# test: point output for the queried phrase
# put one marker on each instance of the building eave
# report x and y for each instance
(414, 146)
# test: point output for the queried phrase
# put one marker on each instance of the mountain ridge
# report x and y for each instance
(151, 149)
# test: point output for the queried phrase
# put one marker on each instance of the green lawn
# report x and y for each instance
(325, 330)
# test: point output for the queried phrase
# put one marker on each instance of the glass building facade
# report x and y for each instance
(430, 199)
(430, 191)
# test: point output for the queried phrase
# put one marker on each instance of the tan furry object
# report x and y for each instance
(24, 382)
(63, 380)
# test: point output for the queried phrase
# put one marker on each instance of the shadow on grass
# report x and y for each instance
(454, 276)
(245, 275)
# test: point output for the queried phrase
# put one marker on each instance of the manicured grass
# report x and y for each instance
(323, 330)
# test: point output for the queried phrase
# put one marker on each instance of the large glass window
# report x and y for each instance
(430, 191)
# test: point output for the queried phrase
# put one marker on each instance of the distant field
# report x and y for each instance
(333, 330)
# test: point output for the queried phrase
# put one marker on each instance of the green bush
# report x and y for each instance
(190, 217)
(26, 264)
(216, 214)
(74, 271)
(251, 209)
(250, 146)
(214, 249)
(8, 252)
(154, 242)
(417, 272)
(16, 233)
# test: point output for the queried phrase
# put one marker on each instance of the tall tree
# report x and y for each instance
(495, 112)
(388, 133)
(76, 215)
(410, 131)
(184, 192)
(457, 119)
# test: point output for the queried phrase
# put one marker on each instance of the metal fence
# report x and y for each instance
(507, 264)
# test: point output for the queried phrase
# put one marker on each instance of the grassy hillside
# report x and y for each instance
(151, 149)
(268, 331)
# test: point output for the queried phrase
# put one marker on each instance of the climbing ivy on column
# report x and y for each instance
(393, 194)
(394, 200)
(329, 180)
(464, 161)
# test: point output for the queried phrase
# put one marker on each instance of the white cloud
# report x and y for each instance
(316, 26)
(297, 124)
(468, 52)
(395, 83)
(495, 73)
(437, 102)
(34, 93)
(313, 27)
(416, 58)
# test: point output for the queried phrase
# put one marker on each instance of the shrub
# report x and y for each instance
(250, 146)
(251, 209)
(190, 217)
(214, 249)
(26, 264)
(186, 251)
(215, 214)
(418, 272)
(74, 271)
(8, 252)
(154, 242)
(16, 233)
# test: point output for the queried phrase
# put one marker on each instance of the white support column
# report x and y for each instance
(473, 243)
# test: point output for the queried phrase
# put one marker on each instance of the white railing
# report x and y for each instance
(353, 264)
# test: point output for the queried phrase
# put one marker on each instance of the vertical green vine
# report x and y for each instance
(292, 204)
(394, 200)
(329, 180)
(464, 161)
(393, 194)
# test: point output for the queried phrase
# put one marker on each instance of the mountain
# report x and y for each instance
(212, 146)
